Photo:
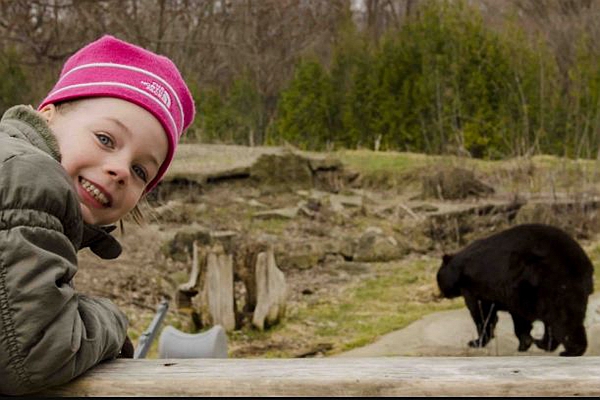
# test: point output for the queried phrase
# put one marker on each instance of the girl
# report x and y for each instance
(102, 138)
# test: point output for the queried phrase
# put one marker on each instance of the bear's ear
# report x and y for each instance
(446, 258)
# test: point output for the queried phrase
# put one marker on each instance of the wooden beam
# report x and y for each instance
(546, 376)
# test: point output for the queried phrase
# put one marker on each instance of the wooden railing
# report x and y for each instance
(546, 376)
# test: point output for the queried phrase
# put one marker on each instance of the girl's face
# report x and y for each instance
(112, 149)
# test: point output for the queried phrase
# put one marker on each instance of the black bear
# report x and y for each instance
(533, 271)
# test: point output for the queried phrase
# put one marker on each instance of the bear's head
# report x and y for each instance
(449, 277)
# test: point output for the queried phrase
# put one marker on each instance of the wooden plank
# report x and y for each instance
(382, 376)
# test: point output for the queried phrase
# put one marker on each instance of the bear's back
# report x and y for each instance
(549, 253)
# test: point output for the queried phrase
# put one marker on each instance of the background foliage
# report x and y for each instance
(485, 78)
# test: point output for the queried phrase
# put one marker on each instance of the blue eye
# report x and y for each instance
(139, 171)
(104, 139)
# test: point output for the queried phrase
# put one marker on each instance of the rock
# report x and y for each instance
(454, 183)
(318, 194)
(176, 211)
(307, 211)
(299, 259)
(374, 229)
(337, 202)
(180, 246)
(424, 207)
(353, 268)
(332, 258)
(349, 201)
(305, 254)
(256, 203)
(287, 171)
(336, 205)
(375, 246)
(324, 163)
(282, 213)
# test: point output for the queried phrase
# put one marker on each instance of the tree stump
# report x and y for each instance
(185, 291)
(217, 302)
(212, 277)
(271, 291)
(266, 289)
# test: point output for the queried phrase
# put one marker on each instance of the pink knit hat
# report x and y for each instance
(110, 67)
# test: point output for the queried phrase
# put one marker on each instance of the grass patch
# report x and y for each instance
(593, 252)
(385, 169)
(368, 161)
(535, 174)
(270, 225)
(397, 294)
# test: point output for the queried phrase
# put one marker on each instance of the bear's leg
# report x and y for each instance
(485, 316)
(548, 342)
(575, 341)
(523, 331)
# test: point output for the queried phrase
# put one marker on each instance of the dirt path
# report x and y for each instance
(447, 333)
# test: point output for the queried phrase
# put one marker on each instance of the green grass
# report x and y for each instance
(398, 294)
(593, 251)
(272, 226)
(368, 161)
(542, 173)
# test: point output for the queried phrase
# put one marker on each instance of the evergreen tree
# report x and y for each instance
(14, 88)
(304, 113)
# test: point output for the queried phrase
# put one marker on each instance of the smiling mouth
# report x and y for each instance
(94, 192)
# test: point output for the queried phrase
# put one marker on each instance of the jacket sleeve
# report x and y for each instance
(49, 333)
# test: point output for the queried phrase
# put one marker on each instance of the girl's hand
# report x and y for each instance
(127, 350)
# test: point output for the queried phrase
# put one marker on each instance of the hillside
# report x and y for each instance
(358, 234)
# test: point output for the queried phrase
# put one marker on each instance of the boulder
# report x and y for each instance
(453, 184)
(375, 246)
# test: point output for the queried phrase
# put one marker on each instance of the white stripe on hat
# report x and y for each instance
(123, 85)
(131, 68)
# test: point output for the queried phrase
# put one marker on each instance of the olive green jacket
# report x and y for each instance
(49, 333)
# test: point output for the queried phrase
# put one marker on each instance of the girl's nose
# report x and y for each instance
(118, 172)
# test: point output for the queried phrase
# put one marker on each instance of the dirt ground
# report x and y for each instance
(215, 187)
